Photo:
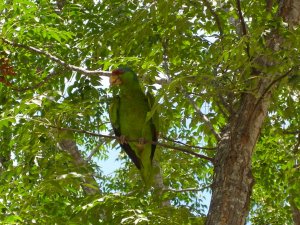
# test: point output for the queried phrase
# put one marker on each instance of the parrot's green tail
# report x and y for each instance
(147, 174)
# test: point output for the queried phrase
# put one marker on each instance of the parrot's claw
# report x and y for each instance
(122, 139)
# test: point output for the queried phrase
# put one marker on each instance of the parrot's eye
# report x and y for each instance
(117, 72)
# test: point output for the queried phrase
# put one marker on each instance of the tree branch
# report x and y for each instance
(242, 21)
(56, 59)
(93, 152)
(215, 15)
(226, 105)
(84, 132)
(90, 186)
(181, 149)
(203, 117)
(243, 25)
(291, 132)
(177, 148)
(221, 108)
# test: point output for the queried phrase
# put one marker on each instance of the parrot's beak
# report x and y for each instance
(114, 80)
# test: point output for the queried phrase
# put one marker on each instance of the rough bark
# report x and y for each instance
(290, 11)
(233, 180)
(296, 213)
(292, 198)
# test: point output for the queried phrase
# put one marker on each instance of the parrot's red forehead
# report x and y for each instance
(117, 72)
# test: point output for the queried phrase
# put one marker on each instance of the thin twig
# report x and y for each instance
(203, 117)
(56, 59)
(270, 85)
(190, 146)
(187, 189)
(291, 132)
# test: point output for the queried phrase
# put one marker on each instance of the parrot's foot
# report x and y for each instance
(141, 141)
(122, 139)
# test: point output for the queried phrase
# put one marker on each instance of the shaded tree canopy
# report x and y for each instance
(226, 80)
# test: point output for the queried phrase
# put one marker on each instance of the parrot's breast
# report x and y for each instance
(133, 112)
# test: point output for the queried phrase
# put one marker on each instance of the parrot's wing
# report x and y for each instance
(114, 114)
(154, 121)
(115, 122)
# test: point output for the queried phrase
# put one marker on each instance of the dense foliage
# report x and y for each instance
(192, 55)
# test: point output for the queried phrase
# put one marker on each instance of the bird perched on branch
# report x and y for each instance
(133, 120)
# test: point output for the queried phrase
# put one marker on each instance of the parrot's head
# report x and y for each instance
(122, 75)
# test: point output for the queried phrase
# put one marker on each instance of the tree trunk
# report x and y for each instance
(295, 212)
(233, 180)
(292, 198)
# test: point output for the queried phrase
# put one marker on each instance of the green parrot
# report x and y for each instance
(132, 119)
